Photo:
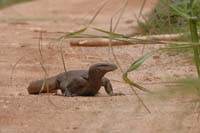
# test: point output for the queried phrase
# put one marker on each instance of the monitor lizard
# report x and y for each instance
(77, 82)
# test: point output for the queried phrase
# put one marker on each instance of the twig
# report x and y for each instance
(45, 83)
(13, 69)
(142, 8)
(103, 41)
(42, 65)
(120, 15)
(97, 43)
(63, 59)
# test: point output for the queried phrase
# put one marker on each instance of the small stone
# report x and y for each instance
(176, 75)
(20, 94)
(75, 128)
(156, 57)
(77, 108)
(26, 125)
(5, 106)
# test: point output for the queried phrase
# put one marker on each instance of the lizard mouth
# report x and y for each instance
(111, 67)
(100, 69)
(107, 67)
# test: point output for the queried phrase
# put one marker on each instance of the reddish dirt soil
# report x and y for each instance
(20, 112)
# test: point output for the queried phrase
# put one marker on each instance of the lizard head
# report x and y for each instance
(101, 68)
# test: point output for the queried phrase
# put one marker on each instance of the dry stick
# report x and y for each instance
(63, 59)
(142, 8)
(41, 63)
(103, 41)
(45, 71)
(13, 69)
(97, 43)
(165, 37)
(116, 60)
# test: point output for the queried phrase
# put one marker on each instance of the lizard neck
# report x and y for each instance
(95, 77)
(96, 73)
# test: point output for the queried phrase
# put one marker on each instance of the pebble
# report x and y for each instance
(5, 106)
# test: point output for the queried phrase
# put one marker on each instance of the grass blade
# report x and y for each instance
(140, 61)
(120, 15)
(112, 34)
(194, 38)
(131, 83)
(178, 10)
(97, 13)
(134, 66)
(71, 34)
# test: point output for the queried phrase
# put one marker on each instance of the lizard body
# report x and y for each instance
(77, 82)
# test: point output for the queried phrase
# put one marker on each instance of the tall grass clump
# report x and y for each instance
(190, 15)
(166, 20)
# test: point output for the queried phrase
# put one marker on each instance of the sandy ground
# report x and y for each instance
(20, 112)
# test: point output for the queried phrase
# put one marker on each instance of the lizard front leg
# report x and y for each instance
(108, 87)
(76, 87)
(64, 89)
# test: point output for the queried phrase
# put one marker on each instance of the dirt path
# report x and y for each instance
(20, 112)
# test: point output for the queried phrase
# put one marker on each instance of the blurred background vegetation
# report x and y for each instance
(5, 3)
(163, 19)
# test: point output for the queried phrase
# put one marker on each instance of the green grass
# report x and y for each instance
(187, 12)
(6, 3)
(163, 19)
